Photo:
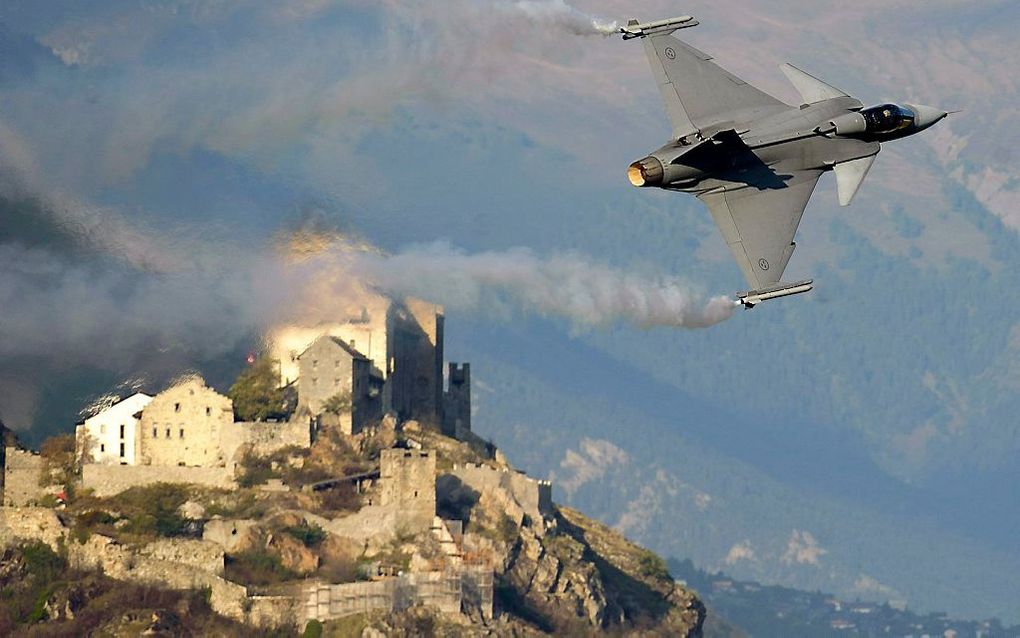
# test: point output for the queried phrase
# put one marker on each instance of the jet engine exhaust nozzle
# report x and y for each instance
(645, 172)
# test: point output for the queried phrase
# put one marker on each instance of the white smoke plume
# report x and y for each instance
(562, 15)
(569, 286)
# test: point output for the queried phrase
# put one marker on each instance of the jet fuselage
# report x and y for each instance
(758, 154)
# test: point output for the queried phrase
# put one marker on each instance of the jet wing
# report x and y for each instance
(759, 224)
(700, 96)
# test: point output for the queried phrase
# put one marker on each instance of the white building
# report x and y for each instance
(112, 433)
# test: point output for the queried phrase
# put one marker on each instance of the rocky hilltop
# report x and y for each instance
(397, 530)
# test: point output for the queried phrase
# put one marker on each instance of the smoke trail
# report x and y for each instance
(565, 16)
(568, 286)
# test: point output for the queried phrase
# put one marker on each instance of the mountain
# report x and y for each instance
(861, 439)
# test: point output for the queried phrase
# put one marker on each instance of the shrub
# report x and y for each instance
(257, 567)
(309, 534)
(312, 630)
(650, 565)
(339, 403)
(152, 510)
(255, 470)
(343, 497)
(58, 454)
(256, 393)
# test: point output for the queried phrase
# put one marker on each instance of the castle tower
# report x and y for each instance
(457, 401)
(407, 481)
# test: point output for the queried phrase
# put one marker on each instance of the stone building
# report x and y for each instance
(407, 482)
(110, 436)
(185, 425)
(329, 368)
(457, 401)
(404, 342)
(414, 365)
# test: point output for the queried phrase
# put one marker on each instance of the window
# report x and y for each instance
(102, 447)
(121, 450)
(336, 382)
(315, 363)
(168, 433)
(182, 433)
(208, 411)
(102, 428)
(122, 431)
(887, 118)
(416, 493)
(177, 407)
(154, 435)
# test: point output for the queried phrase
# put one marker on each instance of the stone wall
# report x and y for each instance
(262, 438)
(533, 495)
(108, 480)
(22, 470)
(30, 523)
(203, 555)
(183, 425)
(407, 481)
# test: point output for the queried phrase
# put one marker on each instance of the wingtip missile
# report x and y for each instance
(752, 298)
(635, 29)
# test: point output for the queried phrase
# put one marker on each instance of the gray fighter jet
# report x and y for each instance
(754, 160)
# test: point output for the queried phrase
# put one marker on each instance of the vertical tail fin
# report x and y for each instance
(811, 89)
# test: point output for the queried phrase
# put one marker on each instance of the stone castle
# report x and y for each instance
(386, 360)
(353, 376)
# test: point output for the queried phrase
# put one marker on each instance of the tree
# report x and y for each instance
(339, 403)
(256, 393)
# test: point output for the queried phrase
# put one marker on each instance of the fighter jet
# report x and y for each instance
(753, 160)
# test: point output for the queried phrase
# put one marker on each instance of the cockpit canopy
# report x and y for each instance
(887, 118)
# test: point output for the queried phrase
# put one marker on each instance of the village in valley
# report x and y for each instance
(337, 480)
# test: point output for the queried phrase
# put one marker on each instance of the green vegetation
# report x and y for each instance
(312, 630)
(59, 464)
(651, 565)
(310, 534)
(256, 470)
(143, 513)
(257, 567)
(33, 571)
(256, 393)
(39, 596)
(339, 403)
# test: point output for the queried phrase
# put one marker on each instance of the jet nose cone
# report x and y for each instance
(926, 115)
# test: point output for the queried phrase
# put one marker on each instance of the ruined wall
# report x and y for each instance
(262, 438)
(407, 480)
(533, 495)
(204, 555)
(457, 401)
(22, 470)
(124, 563)
(108, 480)
(183, 425)
(30, 523)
